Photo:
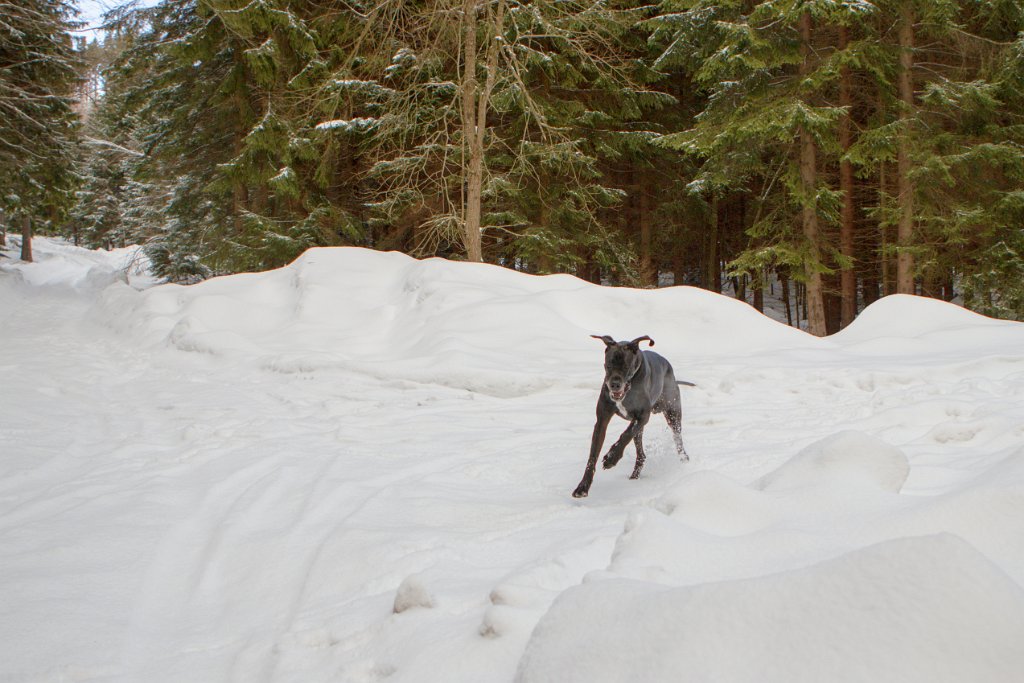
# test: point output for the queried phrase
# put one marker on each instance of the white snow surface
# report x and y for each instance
(359, 468)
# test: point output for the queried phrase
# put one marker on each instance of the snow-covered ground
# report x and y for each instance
(359, 468)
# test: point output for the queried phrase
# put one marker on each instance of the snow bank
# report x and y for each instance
(472, 326)
(847, 459)
(489, 329)
(903, 315)
(920, 327)
(59, 264)
(915, 609)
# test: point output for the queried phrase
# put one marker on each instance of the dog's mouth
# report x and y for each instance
(618, 395)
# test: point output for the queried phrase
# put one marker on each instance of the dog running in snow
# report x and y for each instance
(636, 384)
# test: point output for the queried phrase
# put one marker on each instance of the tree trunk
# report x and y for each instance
(475, 102)
(678, 267)
(808, 182)
(648, 271)
(848, 275)
(712, 273)
(905, 185)
(784, 277)
(26, 238)
(3, 228)
(472, 155)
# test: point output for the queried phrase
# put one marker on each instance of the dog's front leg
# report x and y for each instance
(638, 440)
(614, 454)
(600, 429)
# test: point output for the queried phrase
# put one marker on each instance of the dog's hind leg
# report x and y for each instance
(674, 417)
(638, 441)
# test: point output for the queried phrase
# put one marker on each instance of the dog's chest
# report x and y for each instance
(621, 409)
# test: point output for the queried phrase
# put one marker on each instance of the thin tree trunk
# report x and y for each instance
(3, 228)
(475, 102)
(712, 273)
(648, 271)
(545, 264)
(808, 182)
(473, 157)
(848, 275)
(26, 238)
(784, 278)
(905, 185)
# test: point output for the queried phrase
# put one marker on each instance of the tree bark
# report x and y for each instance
(26, 238)
(848, 275)
(648, 271)
(808, 182)
(475, 102)
(905, 185)
(473, 156)
(712, 271)
(784, 277)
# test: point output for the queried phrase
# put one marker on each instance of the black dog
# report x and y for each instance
(636, 384)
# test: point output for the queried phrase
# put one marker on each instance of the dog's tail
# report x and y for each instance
(685, 384)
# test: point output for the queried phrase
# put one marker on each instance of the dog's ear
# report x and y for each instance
(605, 338)
(636, 342)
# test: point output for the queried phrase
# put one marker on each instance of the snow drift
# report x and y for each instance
(464, 325)
(915, 609)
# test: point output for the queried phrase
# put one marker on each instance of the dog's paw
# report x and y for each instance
(636, 470)
(580, 492)
(611, 460)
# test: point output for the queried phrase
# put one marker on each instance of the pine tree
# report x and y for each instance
(500, 135)
(227, 97)
(768, 127)
(38, 129)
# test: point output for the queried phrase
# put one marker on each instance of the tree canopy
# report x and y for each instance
(838, 150)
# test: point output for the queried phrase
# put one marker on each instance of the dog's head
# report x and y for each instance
(621, 362)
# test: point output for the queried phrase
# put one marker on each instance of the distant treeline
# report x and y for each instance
(849, 148)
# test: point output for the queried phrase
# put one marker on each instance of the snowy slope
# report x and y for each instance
(359, 468)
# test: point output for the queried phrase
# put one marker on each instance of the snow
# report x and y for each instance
(915, 609)
(412, 593)
(348, 125)
(847, 460)
(359, 467)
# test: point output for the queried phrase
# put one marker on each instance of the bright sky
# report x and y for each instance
(91, 12)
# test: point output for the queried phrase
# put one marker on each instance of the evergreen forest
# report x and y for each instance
(828, 151)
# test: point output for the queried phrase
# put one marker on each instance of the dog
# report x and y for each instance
(636, 384)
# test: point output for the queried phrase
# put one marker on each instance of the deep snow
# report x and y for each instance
(359, 467)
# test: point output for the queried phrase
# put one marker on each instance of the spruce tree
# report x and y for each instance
(38, 128)
(768, 126)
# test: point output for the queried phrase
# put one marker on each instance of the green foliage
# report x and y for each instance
(38, 129)
(621, 138)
